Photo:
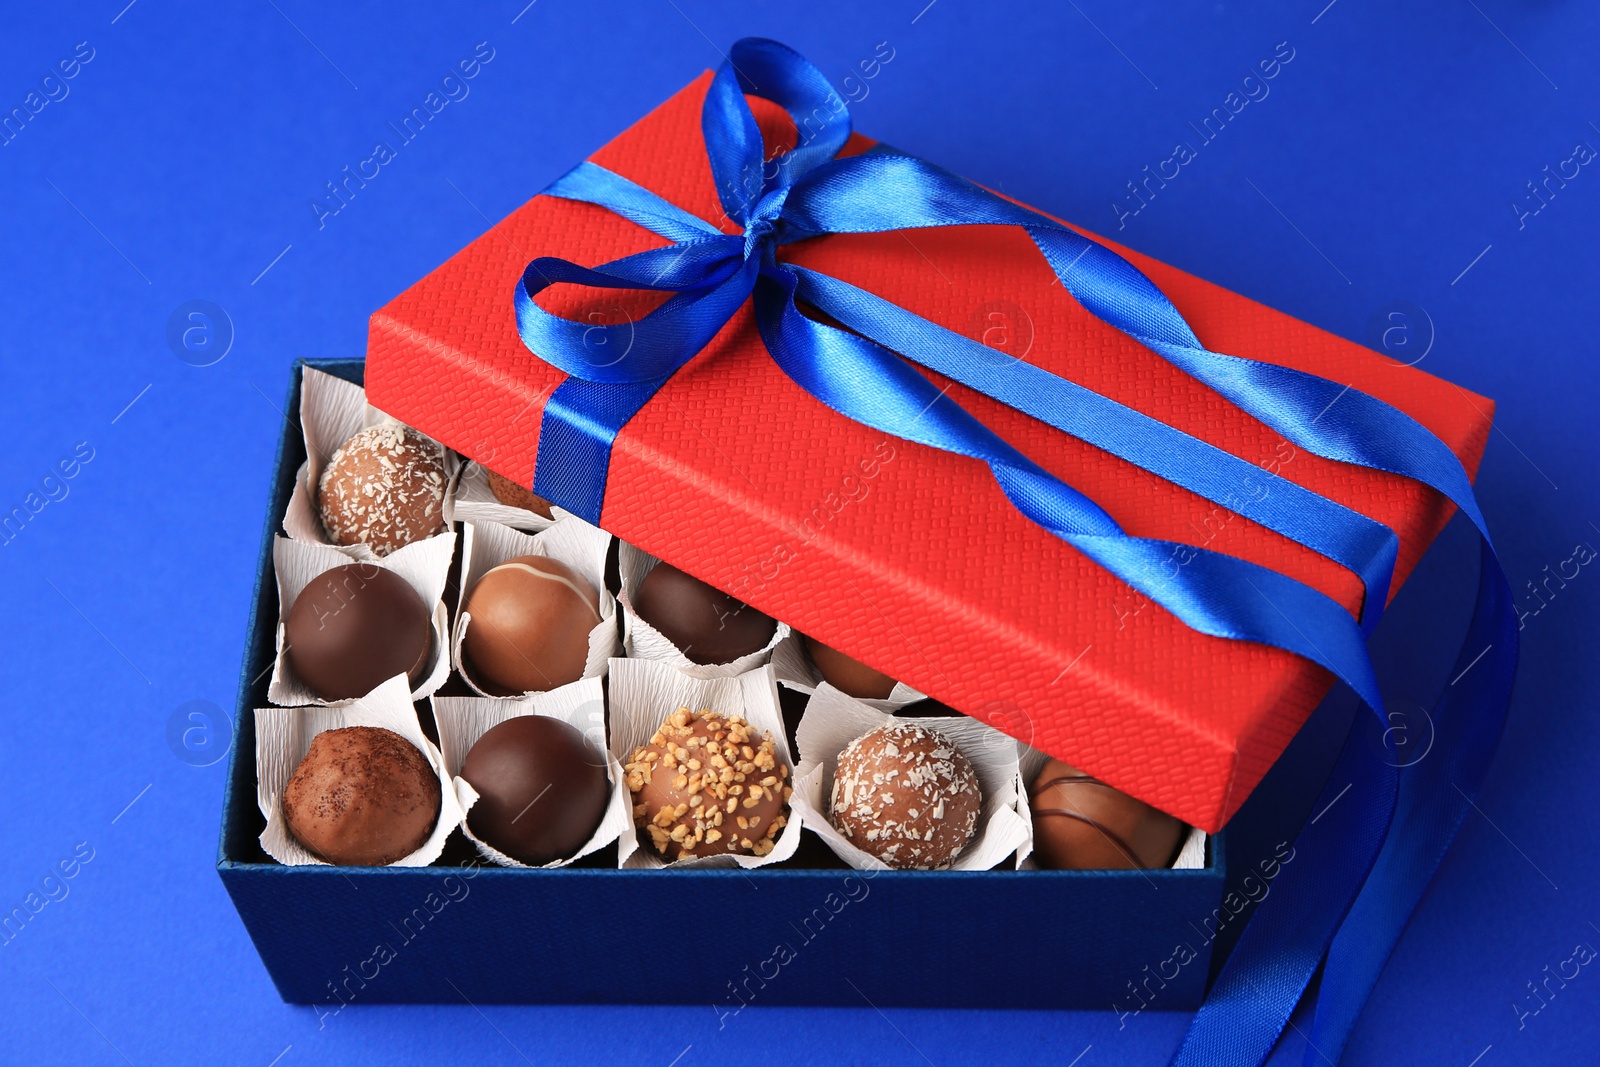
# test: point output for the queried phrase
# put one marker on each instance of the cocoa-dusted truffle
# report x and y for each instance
(705, 624)
(848, 675)
(541, 785)
(514, 495)
(907, 795)
(362, 797)
(529, 626)
(1080, 824)
(706, 784)
(383, 489)
(355, 626)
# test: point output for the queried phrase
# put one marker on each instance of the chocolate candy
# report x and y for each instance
(362, 797)
(849, 675)
(530, 624)
(542, 788)
(383, 489)
(355, 626)
(706, 625)
(514, 495)
(1080, 824)
(706, 784)
(907, 795)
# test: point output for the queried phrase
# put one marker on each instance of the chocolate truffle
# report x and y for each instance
(848, 675)
(1080, 824)
(706, 784)
(708, 626)
(530, 624)
(513, 495)
(362, 797)
(542, 788)
(906, 794)
(355, 626)
(383, 489)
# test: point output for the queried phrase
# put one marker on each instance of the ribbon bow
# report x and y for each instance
(1350, 861)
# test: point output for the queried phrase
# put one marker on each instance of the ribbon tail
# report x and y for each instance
(1436, 793)
(1362, 545)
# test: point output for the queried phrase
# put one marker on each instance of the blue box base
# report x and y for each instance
(791, 934)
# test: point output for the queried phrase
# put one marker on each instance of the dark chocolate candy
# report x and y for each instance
(362, 797)
(354, 627)
(542, 788)
(707, 625)
(1080, 824)
(848, 675)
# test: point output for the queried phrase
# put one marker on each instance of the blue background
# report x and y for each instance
(182, 164)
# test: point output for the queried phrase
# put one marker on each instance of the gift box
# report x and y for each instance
(943, 572)
(909, 559)
(811, 930)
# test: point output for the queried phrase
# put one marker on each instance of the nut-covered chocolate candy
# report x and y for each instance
(541, 785)
(1080, 824)
(383, 489)
(514, 495)
(529, 626)
(362, 797)
(848, 675)
(355, 626)
(707, 625)
(706, 784)
(907, 795)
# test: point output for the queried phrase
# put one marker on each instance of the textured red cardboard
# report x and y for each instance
(909, 559)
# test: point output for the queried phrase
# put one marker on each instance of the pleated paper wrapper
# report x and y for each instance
(833, 719)
(581, 704)
(425, 565)
(643, 641)
(283, 737)
(484, 546)
(332, 411)
(645, 692)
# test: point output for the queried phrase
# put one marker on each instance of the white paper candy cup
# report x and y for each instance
(463, 720)
(475, 502)
(1191, 856)
(332, 411)
(644, 693)
(643, 641)
(283, 737)
(484, 546)
(796, 671)
(833, 719)
(423, 564)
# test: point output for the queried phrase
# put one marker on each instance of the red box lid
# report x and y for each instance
(909, 559)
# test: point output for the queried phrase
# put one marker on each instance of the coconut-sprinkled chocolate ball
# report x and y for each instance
(363, 796)
(907, 795)
(383, 489)
(514, 495)
(707, 784)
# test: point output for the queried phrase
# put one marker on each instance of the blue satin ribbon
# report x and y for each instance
(1355, 879)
